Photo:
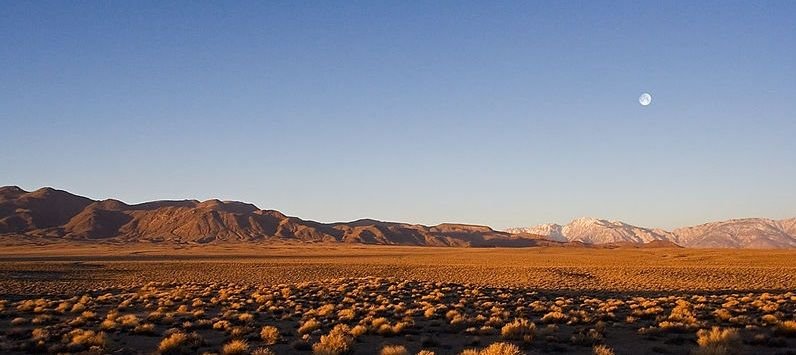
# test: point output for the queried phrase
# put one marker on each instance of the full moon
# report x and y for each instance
(645, 99)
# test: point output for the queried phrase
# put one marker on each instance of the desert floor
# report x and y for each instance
(330, 298)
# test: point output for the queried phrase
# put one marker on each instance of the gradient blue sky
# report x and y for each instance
(498, 113)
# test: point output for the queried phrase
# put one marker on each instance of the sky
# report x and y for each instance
(497, 113)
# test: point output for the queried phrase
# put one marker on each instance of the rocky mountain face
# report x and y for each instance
(740, 233)
(736, 233)
(54, 214)
(49, 214)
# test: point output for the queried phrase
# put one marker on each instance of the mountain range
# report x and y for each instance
(49, 214)
(734, 233)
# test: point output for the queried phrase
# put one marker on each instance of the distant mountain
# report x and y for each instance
(48, 214)
(596, 231)
(736, 233)
(740, 233)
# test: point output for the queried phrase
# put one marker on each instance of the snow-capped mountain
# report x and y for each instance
(739, 233)
(735, 233)
(550, 231)
(596, 231)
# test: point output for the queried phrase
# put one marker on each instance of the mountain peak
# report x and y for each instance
(733, 233)
(56, 214)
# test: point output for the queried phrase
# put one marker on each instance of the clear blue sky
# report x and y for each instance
(498, 113)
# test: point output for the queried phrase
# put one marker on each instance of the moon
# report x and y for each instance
(645, 99)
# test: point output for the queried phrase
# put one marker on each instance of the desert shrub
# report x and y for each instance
(325, 310)
(430, 312)
(346, 315)
(269, 334)
(501, 349)
(359, 330)
(42, 319)
(39, 334)
(146, 328)
(86, 338)
(337, 342)
(722, 314)
(78, 307)
(602, 350)
(239, 332)
(554, 317)
(717, 341)
(769, 319)
(108, 324)
(309, 326)
(179, 343)
(246, 317)
(519, 329)
(63, 307)
(128, 320)
(378, 322)
(393, 350)
(235, 347)
(221, 325)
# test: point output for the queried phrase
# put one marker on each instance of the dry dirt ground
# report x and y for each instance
(336, 299)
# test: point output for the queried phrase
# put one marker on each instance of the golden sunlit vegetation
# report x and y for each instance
(410, 311)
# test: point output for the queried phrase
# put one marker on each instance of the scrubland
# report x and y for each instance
(395, 300)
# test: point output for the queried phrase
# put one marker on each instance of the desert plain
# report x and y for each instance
(356, 299)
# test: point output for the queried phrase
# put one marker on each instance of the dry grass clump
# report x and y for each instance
(308, 326)
(722, 314)
(359, 330)
(179, 343)
(602, 350)
(769, 319)
(128, 320)
(235, 347)
(246, 317)
(80, 339)
(145, 328)
(425, 313)
(393, 350)
(495, 349)
(269, 334)
(555, 317)
(717, 341)
(39, 334)
(519, 329)
(346, 315)
(338, 341)
(681, 318)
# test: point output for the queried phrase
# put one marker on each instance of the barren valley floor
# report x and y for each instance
(134, 299)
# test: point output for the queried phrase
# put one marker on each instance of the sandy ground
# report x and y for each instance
(398, 284)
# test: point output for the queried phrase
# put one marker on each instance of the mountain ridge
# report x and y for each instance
(732, 233)
(51, 214)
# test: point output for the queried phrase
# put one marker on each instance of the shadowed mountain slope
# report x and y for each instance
(50, 213)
